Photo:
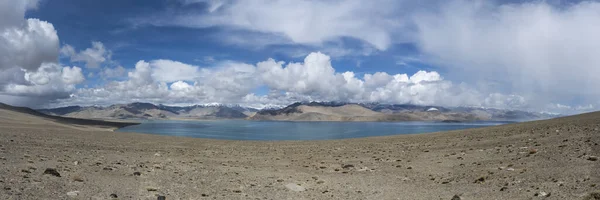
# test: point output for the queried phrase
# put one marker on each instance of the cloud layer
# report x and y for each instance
(314, 79)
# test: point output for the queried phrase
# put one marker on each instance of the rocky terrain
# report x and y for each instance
(549, 159)
(151, 111)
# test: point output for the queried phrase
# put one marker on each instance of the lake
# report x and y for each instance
(277, 130)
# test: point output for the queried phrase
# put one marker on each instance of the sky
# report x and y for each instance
(514, 54)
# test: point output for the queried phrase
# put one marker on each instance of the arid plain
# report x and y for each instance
(550, 159)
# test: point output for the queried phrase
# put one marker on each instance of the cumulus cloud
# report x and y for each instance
(29, 49)
(50, 81)
(28, 44)
(92, 57)
(314, 79)
(115, 72)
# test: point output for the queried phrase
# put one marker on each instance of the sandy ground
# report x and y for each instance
(553, 159)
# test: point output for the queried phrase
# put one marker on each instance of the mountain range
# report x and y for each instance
(300, 111)
(150, 111)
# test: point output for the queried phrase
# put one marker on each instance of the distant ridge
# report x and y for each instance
(326, 111)
(65, 120)
(139, 110)
(299, 111)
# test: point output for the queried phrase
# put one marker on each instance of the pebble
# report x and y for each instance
(72, 193)
(137, 173)
(593, 158)
(114, 196)
(161, 198)
(52, 172)
(294, 187)
(456, 197)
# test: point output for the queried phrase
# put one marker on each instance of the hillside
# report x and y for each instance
(151, 111)
(355, 112)
(27, 113)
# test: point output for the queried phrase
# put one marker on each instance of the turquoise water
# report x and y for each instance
(273, 130)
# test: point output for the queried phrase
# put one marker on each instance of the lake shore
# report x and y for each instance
(552, 159)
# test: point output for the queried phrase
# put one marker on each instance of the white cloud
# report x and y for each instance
(29, 49)
(92, 57)
(50, 81)
(170, 71)
(303, 22)
(545, 53)
(313, 79)
(28, 44)
(116, 72)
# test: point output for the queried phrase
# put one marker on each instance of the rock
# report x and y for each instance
(542, 194)
(76, 163)
(532, 151)
(114, 196)
(52, 172)
(294, 187)
(510, 169)
(107, 169)
(456, 197)
(137, 173)
(151, 189)
(157, 154)
(479, 180)
(72, 193)
(593, 196)
(348, 166)
(161, 198)
(593, 158)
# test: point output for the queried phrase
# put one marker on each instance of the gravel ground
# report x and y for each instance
(551, 159)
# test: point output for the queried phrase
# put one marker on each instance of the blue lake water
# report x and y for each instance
(275, 130)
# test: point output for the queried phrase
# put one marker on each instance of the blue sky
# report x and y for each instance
(113, 23)
(517, 54)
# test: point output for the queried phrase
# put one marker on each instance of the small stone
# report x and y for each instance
(137, 173)
(593, 158)
(52, 172)
(503, 188)
(76, 163)
(107, 169)
(542, 194)
(114, 196)
(479, 180)
(151, 189)
(409, 168)
(456, 197)
(348, 166)
(25, 171)
(532, 151)
(204, 195)
(157, 154)
(294, 187)
(510, 169)
(320, 182)
(161, 198)
(72, 193)
(237, 191)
